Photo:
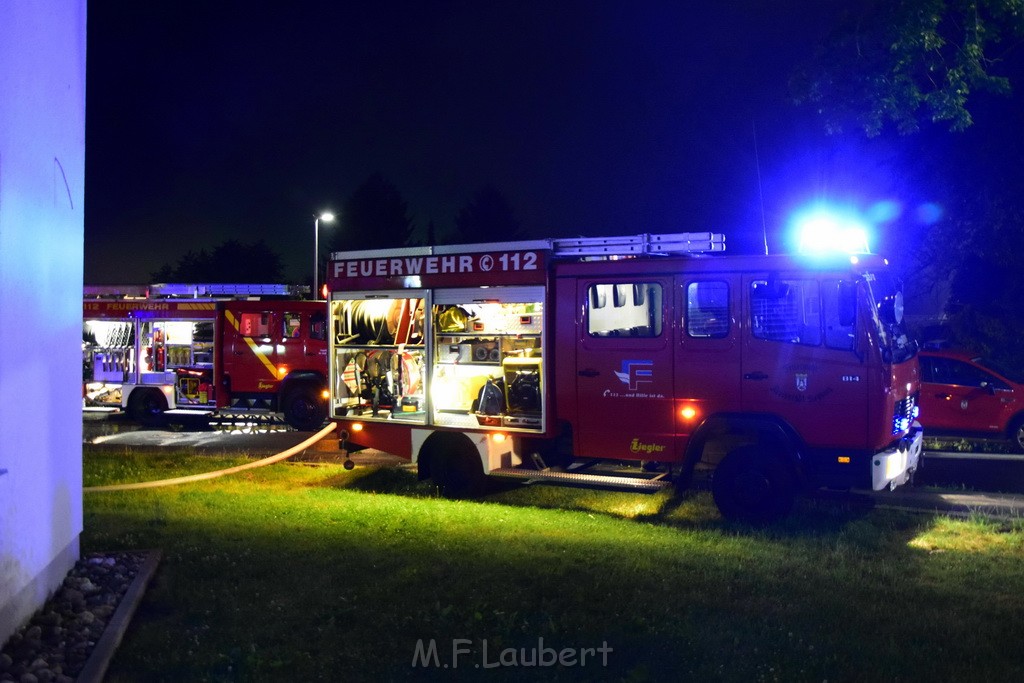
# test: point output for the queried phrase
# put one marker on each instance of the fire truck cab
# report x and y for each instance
(202, 348)
(626, 363)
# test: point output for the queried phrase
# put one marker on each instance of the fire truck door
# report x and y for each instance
(708, 352)
(624, 371)
(251, 360)
(799, 360)
(290, 341)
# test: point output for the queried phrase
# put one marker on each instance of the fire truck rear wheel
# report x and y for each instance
(753, 485)
(304, 409)
(458, 473)
(147, 406)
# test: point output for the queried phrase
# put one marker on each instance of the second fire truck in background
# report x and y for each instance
(204, 348)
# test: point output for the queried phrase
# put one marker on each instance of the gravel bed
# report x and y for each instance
(57, 641)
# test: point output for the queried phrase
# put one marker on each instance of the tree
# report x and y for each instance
(986, 307)
(374, 217)
(231, 261)
(902, 61)
(487, 217)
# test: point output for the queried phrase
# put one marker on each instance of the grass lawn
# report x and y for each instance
(299, 572)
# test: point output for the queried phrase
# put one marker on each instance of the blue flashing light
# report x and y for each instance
(929, 213)
(883, 212)
(827, 230)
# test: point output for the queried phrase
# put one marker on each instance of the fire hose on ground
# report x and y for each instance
(283, 455)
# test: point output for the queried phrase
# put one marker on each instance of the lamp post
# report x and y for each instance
(326, 217)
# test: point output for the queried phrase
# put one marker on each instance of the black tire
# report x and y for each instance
(1016, 434)
(754, 486)
(459, 473)
(147, 406)
(304, 409)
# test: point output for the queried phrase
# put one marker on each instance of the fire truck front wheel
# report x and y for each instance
(753, 485)
(147, 406)
(303, 408)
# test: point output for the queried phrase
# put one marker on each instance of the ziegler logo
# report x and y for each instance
(264, 385)
(638, 447)
(635, 372)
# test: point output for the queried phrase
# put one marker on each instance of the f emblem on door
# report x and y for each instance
(635, 372)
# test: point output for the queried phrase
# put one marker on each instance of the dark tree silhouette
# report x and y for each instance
(903, 61)
(231, 261)
(985, 312)
(429, 237)
(374, 217)
(488, 217)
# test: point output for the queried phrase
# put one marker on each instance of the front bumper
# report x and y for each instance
(894, 466)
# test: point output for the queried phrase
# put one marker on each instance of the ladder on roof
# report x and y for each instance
(643, 244)
(220, 289)
(584, 247)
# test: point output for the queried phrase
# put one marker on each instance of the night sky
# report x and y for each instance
(208, 121)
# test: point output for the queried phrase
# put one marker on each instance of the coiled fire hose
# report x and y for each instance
(283, 455)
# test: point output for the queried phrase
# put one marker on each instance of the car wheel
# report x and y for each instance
(1017, 435)
(752, 485)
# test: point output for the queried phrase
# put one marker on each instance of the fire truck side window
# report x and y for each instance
(255, 324)
(318, 326)
(786, 311)
(707, 310)
(292, 323)
(635, 310)
(839, 323)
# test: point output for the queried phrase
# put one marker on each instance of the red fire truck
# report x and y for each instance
(198, 348)
(627, 362)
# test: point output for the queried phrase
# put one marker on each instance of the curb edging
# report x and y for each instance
(99, 660)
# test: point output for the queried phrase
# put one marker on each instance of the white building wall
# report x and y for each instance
(42, 183)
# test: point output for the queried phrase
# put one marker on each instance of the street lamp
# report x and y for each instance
(326, 217)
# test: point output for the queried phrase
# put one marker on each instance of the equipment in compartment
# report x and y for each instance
(459, 353)
(485, 352)
(195, 386)
(374, 372)
(382, 379)
(471, 351)
(490, 402)
(380, 321)
(523, 390)
(455, 389)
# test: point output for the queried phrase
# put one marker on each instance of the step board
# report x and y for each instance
(609, 481)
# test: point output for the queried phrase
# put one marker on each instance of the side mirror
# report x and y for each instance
(890, 310)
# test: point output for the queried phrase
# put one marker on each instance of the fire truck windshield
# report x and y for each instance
(887, 312)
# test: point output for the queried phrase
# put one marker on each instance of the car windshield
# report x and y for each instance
(1012, 374)
(887, 313)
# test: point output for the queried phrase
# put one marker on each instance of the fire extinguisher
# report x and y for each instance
(204, 392)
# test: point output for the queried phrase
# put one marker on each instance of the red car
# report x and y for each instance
(964, 394)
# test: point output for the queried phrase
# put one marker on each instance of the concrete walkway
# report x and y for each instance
(961, 503)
